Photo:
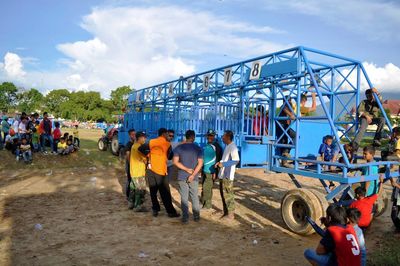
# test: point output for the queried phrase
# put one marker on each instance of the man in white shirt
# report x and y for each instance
(230, 159)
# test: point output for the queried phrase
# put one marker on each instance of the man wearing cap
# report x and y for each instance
(212, 154)
(369, 113)
(137, 164)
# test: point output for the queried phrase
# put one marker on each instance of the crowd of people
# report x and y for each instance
(156, 162)
(29, 134)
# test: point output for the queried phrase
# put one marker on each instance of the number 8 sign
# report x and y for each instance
(255, 70)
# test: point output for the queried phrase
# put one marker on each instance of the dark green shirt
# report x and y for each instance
(369, 108)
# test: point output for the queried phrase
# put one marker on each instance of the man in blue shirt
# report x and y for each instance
(212, 155)
(188, 157)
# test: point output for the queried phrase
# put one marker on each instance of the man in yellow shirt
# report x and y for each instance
(159, 150)
(137, 164)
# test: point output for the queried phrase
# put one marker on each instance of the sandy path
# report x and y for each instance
(85, 221)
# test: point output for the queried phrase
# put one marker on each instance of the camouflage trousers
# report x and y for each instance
(228, 198)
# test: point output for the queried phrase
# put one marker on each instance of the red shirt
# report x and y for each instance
(347, 249)
(365, 206)
(260, 124)
(57, 133)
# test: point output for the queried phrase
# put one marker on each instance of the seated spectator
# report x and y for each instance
(25, 151)
(339, 245)
(348, 149)
(365, 204)
(15, 148)
(62, 147)
(70, 145)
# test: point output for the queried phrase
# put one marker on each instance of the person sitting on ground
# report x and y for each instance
(188, 157)
(369, 113)
(25, 150)
(348, 149)
(70, 145)
(15, 148)
(353, 217)
(339, 245)
(62, 147)
(66, 136)
(35, 140)
(372, 186)
(137, 168)
(77, 141)
(10, 141)
(365, 204)
(56, 134)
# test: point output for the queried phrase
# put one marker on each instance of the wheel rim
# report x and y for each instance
(300, 211)
(101, 145)
(115, 146)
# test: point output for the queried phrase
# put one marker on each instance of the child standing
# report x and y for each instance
(56, 134)
(372, 186)
(137, 165)
(353, 216)
(25, 150)
(35, 140)
(77, 141)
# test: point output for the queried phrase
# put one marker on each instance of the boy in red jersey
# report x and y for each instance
(339, 245)
(365, 204)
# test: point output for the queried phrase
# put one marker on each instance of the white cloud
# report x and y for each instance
(386, 78)
(375, 19)
(13, 66)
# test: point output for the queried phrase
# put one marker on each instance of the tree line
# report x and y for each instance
(61, 103)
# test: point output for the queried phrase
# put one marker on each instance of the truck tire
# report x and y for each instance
(296, 205)
(102, 145)
(115, 145)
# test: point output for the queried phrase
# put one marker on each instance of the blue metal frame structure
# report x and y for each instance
(227, 98)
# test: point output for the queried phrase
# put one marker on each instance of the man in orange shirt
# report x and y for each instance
(159, 149)
(365, 204)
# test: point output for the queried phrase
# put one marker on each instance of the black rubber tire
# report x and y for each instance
(298, 203)
(115, 145)
(101, 145)
(381, 204)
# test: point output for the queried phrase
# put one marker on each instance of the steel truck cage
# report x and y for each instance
(246, 98)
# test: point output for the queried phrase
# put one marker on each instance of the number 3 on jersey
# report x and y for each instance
(355, 249)
(255, 70)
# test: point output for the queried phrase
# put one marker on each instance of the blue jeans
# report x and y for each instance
(27, 155)
(321, 260)
(48, 137)
(36, 147)
(189, 189)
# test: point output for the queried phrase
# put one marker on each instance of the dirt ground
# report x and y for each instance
(71, 211)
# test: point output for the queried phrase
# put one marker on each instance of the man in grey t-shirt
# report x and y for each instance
(188, 157)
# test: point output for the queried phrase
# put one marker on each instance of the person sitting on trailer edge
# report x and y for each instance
(339, 245)
(369, 113)
(365, 204)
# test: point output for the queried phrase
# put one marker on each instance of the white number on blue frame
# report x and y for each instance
(206, 82)
(255, 70)
(228, 76)
(189, 85)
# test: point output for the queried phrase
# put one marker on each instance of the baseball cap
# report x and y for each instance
(140, 134)
(211, 132)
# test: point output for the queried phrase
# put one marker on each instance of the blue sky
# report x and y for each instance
(100, 45)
